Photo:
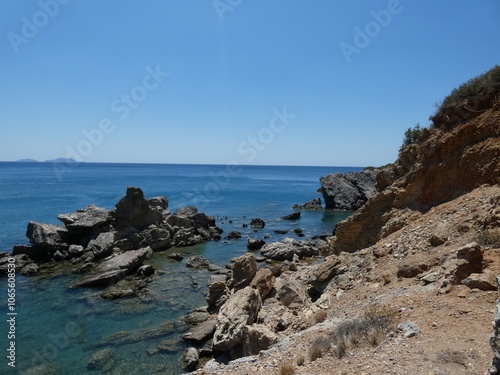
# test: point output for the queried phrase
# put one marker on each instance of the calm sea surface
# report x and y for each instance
(58, 328)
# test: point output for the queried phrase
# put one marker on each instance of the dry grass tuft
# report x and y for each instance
(452, 356)
(286, 368)
(489, 238)
(320, 316)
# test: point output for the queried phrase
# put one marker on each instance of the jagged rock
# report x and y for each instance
(75, 251)
(175, 256)
(196, 317)
(255, 243)
(286, 249)
(409, 328)
(134, 211)
(349, 191)
(20, 261)
(481, 281)
(31, 251)
(257, 223)
(158, 202)
(200, 332)
(180, 221)
(58, 256)
(233, 235)
(241, 309)
(436, 240)
(29, 269)
(292, 216)
(197, 261)
(312, 205)
(256, 338)
(146, 270)
(217, 292)
(102, 246)
(85, 220)
(290, 290)
(243, 272)
(99, 360)
(411, 270)
(156, 238)
(48, 237)
(190, 358)
(186, 237)
(117, 267)
(469, 260)
(186, 211)
(324, 272)
(430, 278)
(263, 282)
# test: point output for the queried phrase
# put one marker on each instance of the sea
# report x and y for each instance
(57, 329)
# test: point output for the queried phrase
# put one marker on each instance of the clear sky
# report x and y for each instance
(284, 82)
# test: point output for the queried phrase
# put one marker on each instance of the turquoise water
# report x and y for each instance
(61, 328)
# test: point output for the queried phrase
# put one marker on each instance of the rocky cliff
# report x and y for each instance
(444, 165)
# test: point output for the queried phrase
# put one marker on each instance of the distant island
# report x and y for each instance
(58, 160)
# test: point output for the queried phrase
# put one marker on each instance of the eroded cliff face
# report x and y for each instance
(446, 164)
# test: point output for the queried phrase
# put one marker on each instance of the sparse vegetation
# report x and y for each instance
(286, 368)
(370, 328)
(488, 82)
(320, 316)
(412, 135)
(315, 351)
(470, 98)
(489, 238)
(452, 356)
(301, 360)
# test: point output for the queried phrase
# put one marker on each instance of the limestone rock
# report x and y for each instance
(47, 237)
(263, 282)
(243, 271)
(85, 220)
(290, 290)
(349, 191)
(312, 205)
(286, 249)
(256, 338)
(190, 358)
(102, 246)
(241, 309)
(481, 281)
(197, 261)
(134, 211)
(100, 359)
(217, 292)
(469, 260)
(200, 332)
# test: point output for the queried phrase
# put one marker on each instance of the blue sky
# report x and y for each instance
(282, 82)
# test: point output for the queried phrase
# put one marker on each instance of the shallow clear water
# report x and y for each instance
(62, 327)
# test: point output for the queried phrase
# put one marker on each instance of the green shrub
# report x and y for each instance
(412, 135)
(489, 238)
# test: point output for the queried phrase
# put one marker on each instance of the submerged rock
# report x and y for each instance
(292, 216)
(255, 243)
(257, 223)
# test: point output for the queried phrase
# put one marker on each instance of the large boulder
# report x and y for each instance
(48, 237)
(290, 291)
(200, 332)
(263, 282)
(117, 267)
(133, 211)
(156, 238)
(256, 338)
(85, 220)
(312, 205)
(243, 271)
(240, 310)
(102, 246)
(286, 249)
(348, 191)
(217, 292)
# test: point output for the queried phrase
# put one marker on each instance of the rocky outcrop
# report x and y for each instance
(134, 211)
(47, 237)
(117, 267)
(86, 221)
(445, 164)
(312, 205)
(288, 248)
(243, 270)
(240, 310)
(348, 191)
(256, 338)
